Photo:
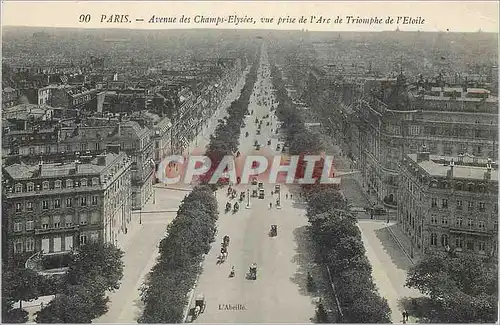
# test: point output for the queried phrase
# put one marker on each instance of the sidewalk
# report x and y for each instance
(404, 242)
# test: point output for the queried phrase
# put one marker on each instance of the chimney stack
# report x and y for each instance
(40, 165)
(101, 160)
(423, 154)
(449, 173)
(487, 173)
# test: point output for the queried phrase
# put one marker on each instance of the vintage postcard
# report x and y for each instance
(250, 162)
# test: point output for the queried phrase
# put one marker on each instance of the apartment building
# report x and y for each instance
(448, 203)
(449, 121)
(54, 207)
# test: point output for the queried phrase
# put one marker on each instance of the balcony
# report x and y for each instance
(473, 232)
(41, 231)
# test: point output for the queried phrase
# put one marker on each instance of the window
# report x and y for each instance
(444, 203)
(45, 204)
(29, 206)
(444, 220)
(433, 239)
(470, 223)
(95, 181)
(68, 221)
(481, 225)
(32, 151)
(94, 200)
(19, 188)
(481, 206)
(45, 185)
(29, 225)
(18, 226)
(45, 223)
(69, 183)
(31, 187)
(459, 242)
(83, 239)
(68, 147)
(18, 246)
(83, 218)
(69, 202)
(470, 245)
(19, 207)
(495, 208)
(459, 205)
(481, 246)
(495, 225)
(470, 205)
(30, 244)
(56, 221)
(433, 202)
(444, 240)
(94, 236)
(94, 218)
(57, 184)
(57, 203)
(459, 223)
(83, 201)
(83, 182)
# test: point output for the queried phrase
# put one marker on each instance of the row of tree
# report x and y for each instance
(333, 227)
(225, 139)
(458, 288)
(339, 246)
(80, 294)
(164, 292)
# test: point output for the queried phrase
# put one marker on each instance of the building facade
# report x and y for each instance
(57, 144)
(449, 121)
(449, 203)
(55, 207)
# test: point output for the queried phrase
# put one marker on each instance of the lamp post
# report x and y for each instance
(248, 198)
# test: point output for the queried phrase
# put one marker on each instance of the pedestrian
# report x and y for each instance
(286, 196)
(290, 196)
(406, 314)
(270, 205)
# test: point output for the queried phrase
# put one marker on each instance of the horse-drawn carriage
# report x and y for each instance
(236, 207)
(242, 196)
(255, 193)
(274, 231)
(228, 207)
(252, 272)
(199, 306)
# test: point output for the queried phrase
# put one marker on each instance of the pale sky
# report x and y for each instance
(455, 16)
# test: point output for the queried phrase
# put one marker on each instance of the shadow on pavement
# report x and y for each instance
(420, 310)
(307, 261)
(393, 250)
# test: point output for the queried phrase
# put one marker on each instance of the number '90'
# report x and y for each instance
(84, 18)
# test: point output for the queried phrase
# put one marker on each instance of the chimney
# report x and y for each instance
(101, 160)
(77, 162)
(487, 173)
(40, 165)
(449, 173)
(114, 148)
(423, 155)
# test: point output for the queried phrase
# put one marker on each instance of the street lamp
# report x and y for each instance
(248, 198)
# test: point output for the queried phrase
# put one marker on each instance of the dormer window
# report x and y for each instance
(45, 185)
(57, 184)
(19, 188)
(83, 182)
(31, 187)
(69, 183)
